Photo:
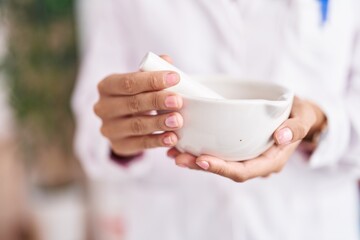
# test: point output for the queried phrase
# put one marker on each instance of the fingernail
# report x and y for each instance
(171, 102)
(169, 140)
(182, 165)
(203, 164)
(284, 136)
(172, 79)
(172, 122)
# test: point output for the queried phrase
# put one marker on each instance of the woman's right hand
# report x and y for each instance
(124, 104)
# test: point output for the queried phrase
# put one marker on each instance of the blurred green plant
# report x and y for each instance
(41, 68)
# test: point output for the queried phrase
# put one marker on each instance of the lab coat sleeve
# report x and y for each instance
(101, 55)
(351, 158)
(333, 82)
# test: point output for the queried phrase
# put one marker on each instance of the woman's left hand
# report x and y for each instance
(306, 120)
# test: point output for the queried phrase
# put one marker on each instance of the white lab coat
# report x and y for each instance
(268, 40)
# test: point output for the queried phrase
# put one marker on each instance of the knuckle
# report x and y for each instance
(118, 147)
(156, 101)
(128, 85)
(137, 126)
(154, 83)
(115, 146)
(302, 130)
(147, 142)
(238, 179)
(279, 168)
(219, 171)
(104, 131)
(159, 123)
(134, 104)
(101, 86)
(97, 109)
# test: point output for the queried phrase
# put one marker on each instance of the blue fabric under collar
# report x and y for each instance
(324, 9)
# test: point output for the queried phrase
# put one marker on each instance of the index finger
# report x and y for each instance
(137, 82)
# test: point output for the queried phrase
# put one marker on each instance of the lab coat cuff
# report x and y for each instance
(334, 138)
(120, 168)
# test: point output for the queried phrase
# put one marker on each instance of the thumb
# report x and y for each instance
(290, 131)
(221, 167)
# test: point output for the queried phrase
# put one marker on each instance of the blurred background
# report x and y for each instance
(42, 186)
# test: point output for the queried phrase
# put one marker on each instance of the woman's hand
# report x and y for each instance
(306, 119)
(124, 104)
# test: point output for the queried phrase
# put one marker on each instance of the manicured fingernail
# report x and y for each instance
(171, 102)
(172, 79)
(169, 140)
(284, 136)
(203, 164)
(172, 121)
(182, 165)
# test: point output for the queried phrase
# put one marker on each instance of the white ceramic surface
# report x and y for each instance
(152, 62)
(237, 128)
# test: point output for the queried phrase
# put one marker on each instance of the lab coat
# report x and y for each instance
(280, 41)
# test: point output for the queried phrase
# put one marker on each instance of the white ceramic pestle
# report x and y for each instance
(186, 86)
